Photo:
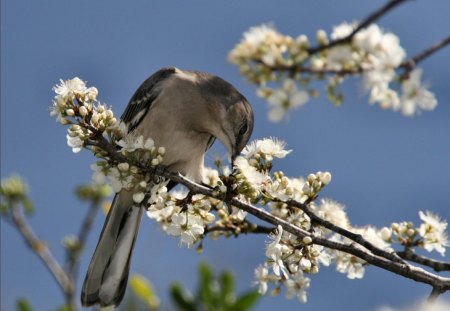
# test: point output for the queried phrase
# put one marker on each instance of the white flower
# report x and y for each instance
(296, 286)
(342, 30)
(374, 236)
(210, 176)
(433, 232)
(253, 176)
(284, 98)
(188, 226)
(76, 143)
(98, 176)
(334, 212)
(261, 276)
(69, 88)
(350, 265)
(416, 96)
(130, 143)
(271, 147)
(259, 34)
(274, 252)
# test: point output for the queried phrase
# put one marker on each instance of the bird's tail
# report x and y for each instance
(107, 275)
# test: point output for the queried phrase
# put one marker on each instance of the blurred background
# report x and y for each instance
(385, 167)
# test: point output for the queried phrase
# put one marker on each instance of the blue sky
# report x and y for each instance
(385, 167)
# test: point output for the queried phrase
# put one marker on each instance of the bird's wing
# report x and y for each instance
(142, 100)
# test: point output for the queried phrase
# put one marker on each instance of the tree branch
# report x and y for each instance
(73, 257)
(436, 265)
(411, 63)
(403, 269)
(41, 250)
(366, 22)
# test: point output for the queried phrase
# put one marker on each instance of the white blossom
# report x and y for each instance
(286, 97)
(433, 232)
(268, 147)
(261, 276)
(130, 143)
(187, 226)
(415, 96)
(259, 34)
(274, 252)
(334, 212)
(350, 265)
(252, 175)
(76, 143)
(296, 286)
(69, 88)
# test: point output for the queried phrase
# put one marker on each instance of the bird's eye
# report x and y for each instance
(243, 129)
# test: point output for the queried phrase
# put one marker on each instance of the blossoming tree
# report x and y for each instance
(305, 233)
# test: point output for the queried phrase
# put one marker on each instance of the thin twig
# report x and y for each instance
(41, 250)
(412, 62)
(436, 265)
(366, 22)
(73, 257)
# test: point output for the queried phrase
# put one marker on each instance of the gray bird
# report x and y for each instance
(183, 111)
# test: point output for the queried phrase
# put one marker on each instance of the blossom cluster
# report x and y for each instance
(75, 104)
(283, 67)
(130, 177)
(290, 259)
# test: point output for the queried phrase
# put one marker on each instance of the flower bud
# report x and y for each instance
(138, 197)
(155, 162)
(307, 240)
(123, 167)
(83, 111)
(70, 112)
(92, 93)
(143, 184)
(322, 37)
(95, 117)
(162, 151)
(386, 234)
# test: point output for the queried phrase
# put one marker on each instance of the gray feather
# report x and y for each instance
(107, 275)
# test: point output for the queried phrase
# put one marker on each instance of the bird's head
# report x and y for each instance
(237, 127)
(230, 110)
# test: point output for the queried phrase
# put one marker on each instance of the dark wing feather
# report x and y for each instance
(144, 97)
(211, 141)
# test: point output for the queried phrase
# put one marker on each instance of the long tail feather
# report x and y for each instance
(107, 275)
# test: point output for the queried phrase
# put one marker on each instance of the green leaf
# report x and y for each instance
(144, 291)
(23, 305)
(181, 300)
(206, 294)
(227, 285)
(245, 301)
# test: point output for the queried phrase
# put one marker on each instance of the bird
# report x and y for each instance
(185, 112)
